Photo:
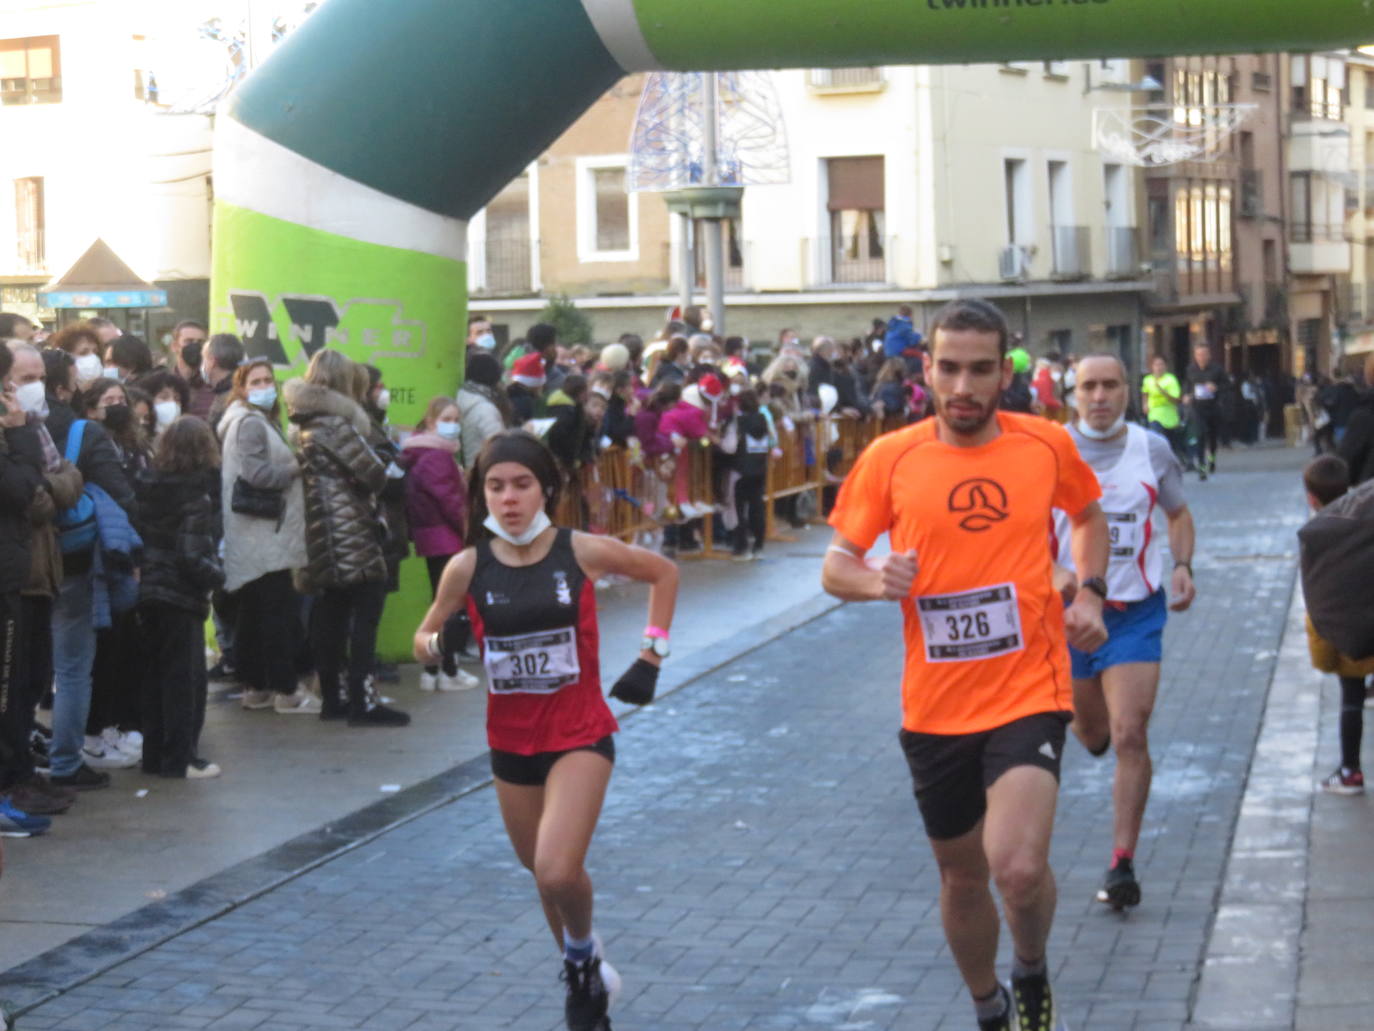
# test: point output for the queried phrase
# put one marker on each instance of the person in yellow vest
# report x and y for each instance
(1160, 395)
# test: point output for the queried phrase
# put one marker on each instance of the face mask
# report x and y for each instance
(486, 342)
(538, 525)
(167, 412)
(736, 389)
(88, 368)
(118, 417)
(448, 430)
(32, 399)
(113, 372)
(1110, 431)
(263, 397)
(384, 400)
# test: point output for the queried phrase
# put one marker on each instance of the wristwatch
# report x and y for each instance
(1097, 585)
(656, 641)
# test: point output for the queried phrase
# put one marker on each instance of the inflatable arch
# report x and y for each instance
(347, 166)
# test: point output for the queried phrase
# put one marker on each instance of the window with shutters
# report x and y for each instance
(30, 70)
(857, 245)
(28, 223)
(607, 216)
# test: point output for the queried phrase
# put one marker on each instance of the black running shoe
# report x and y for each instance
(1004, 1022)
(1120, 889)
(1034, 1003)
(588, 1000)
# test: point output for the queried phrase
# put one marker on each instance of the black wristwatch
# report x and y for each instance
(1097, 585)
(1186, 565)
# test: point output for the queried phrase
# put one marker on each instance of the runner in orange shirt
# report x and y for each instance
(986, 694)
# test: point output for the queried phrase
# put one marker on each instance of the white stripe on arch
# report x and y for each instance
(618, 26)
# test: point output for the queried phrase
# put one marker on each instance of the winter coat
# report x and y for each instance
(651, 440)
(754, 436)
(436, 498)
(1326, 658)
(618, 424)
(252, 447)
(524, 402)
(119, 549)
(342, 477)
(63, 489)
(100, 465)
(21, 477)
(181, 563)
(481, 420)
(686, 420)
(900, 337)
(1357, 446)
(391, 502)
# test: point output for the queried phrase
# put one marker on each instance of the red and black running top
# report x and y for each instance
(537, 628)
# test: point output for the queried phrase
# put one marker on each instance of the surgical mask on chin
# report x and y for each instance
(167, 412)
(88, 367)
(32, 398)
(448, 429)
(538, 525)
(1110, 431)
(264, 397)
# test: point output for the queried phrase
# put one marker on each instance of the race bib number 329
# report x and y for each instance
(538, 663)
(978, 624)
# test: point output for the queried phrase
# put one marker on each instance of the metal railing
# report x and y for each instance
(1318, 232)
(1251, 193)
(506, 267)
(1123, 251)
(1072, 251)
(846, 78)
(837, 262)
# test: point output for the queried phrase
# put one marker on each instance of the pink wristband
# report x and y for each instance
(656, 631)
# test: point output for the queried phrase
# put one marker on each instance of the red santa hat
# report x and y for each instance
(529, 370)
(711, 388)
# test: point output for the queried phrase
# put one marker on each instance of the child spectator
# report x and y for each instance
(178, 501)
(754, 442)
(1327, 478)
(437, 508)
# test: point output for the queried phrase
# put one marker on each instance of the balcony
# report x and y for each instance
(1353, 303)
(850, 262)
(1318, 249)
(1123, 252)
(1318, 146)
(1072, 252)
(505, 268)
(1251, 193)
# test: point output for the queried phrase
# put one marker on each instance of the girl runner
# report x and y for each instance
(528, 587)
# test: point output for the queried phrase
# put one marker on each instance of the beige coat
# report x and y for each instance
(256, 450)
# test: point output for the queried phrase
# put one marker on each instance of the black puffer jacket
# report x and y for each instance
(181, 564)
(342, 477)
(21, 476)
(1357, 447)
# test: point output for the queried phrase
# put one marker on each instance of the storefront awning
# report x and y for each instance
(101, 279)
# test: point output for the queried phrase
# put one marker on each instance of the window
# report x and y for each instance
(607, 216)
(30, 71)
(1017, 181)
(1224, 202)
(734, 252)
(1061, 341)
(1318, 86)
(1057, 69)
(856, 206)
(1182, 229)
(28, 222)
(507, 246)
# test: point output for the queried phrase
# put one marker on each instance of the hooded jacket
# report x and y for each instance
(480, 417)
(342, 477)
(180, 553)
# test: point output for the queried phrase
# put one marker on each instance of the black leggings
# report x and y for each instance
(1352, 721)
(343, 635)
(1208, 428)
(752, 517)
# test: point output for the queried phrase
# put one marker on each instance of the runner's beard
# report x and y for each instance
(967, 425)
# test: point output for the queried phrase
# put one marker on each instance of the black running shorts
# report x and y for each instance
(951, 773)
(532, 771)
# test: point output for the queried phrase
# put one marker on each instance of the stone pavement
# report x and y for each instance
(759, 864)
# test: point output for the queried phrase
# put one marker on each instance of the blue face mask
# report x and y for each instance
(113, 372)
(264, 397)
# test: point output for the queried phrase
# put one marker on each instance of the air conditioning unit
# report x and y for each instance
(1013, 262)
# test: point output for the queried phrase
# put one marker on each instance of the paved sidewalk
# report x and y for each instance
(759, 863)
(286, 776)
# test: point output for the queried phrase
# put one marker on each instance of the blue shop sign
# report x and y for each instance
(104, 299)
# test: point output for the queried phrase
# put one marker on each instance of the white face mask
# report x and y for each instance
(448, 430)
(88, 367)
(384, 400)
(1108, 433)
(538, 525)
(113, 372)
(486, 341)
(31, 398)
(167, 412)
(736, 389)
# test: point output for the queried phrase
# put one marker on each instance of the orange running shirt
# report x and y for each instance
(984, 626)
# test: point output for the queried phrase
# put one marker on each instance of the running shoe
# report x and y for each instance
(1005, 1022)
(589, 996)
(299, 703)
(15, 823)
(429, 681)
(1120, 889)
(1344, 782)
(256, 700)
(202, 769)
(461, 680)
(38, 803)
(1034, 1004)
(126, 744)
(100, 755)
(84, 779)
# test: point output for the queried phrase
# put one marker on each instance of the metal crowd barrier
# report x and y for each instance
(630, 496)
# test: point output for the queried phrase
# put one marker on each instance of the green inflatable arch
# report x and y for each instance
(347, 166)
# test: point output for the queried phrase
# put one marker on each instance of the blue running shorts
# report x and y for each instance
(1134, 634)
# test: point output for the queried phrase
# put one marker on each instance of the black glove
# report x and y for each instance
(637, 684)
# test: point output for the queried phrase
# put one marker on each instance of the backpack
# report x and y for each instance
(1337, 558)
(76, 527)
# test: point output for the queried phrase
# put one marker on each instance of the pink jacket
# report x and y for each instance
(436, 497)
(684, 419)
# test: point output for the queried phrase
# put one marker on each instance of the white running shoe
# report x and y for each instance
(429, 681)
(126, 744)
(100, 756)
(610, 976)
(300, 703)
(460, 681)
(256, 699)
